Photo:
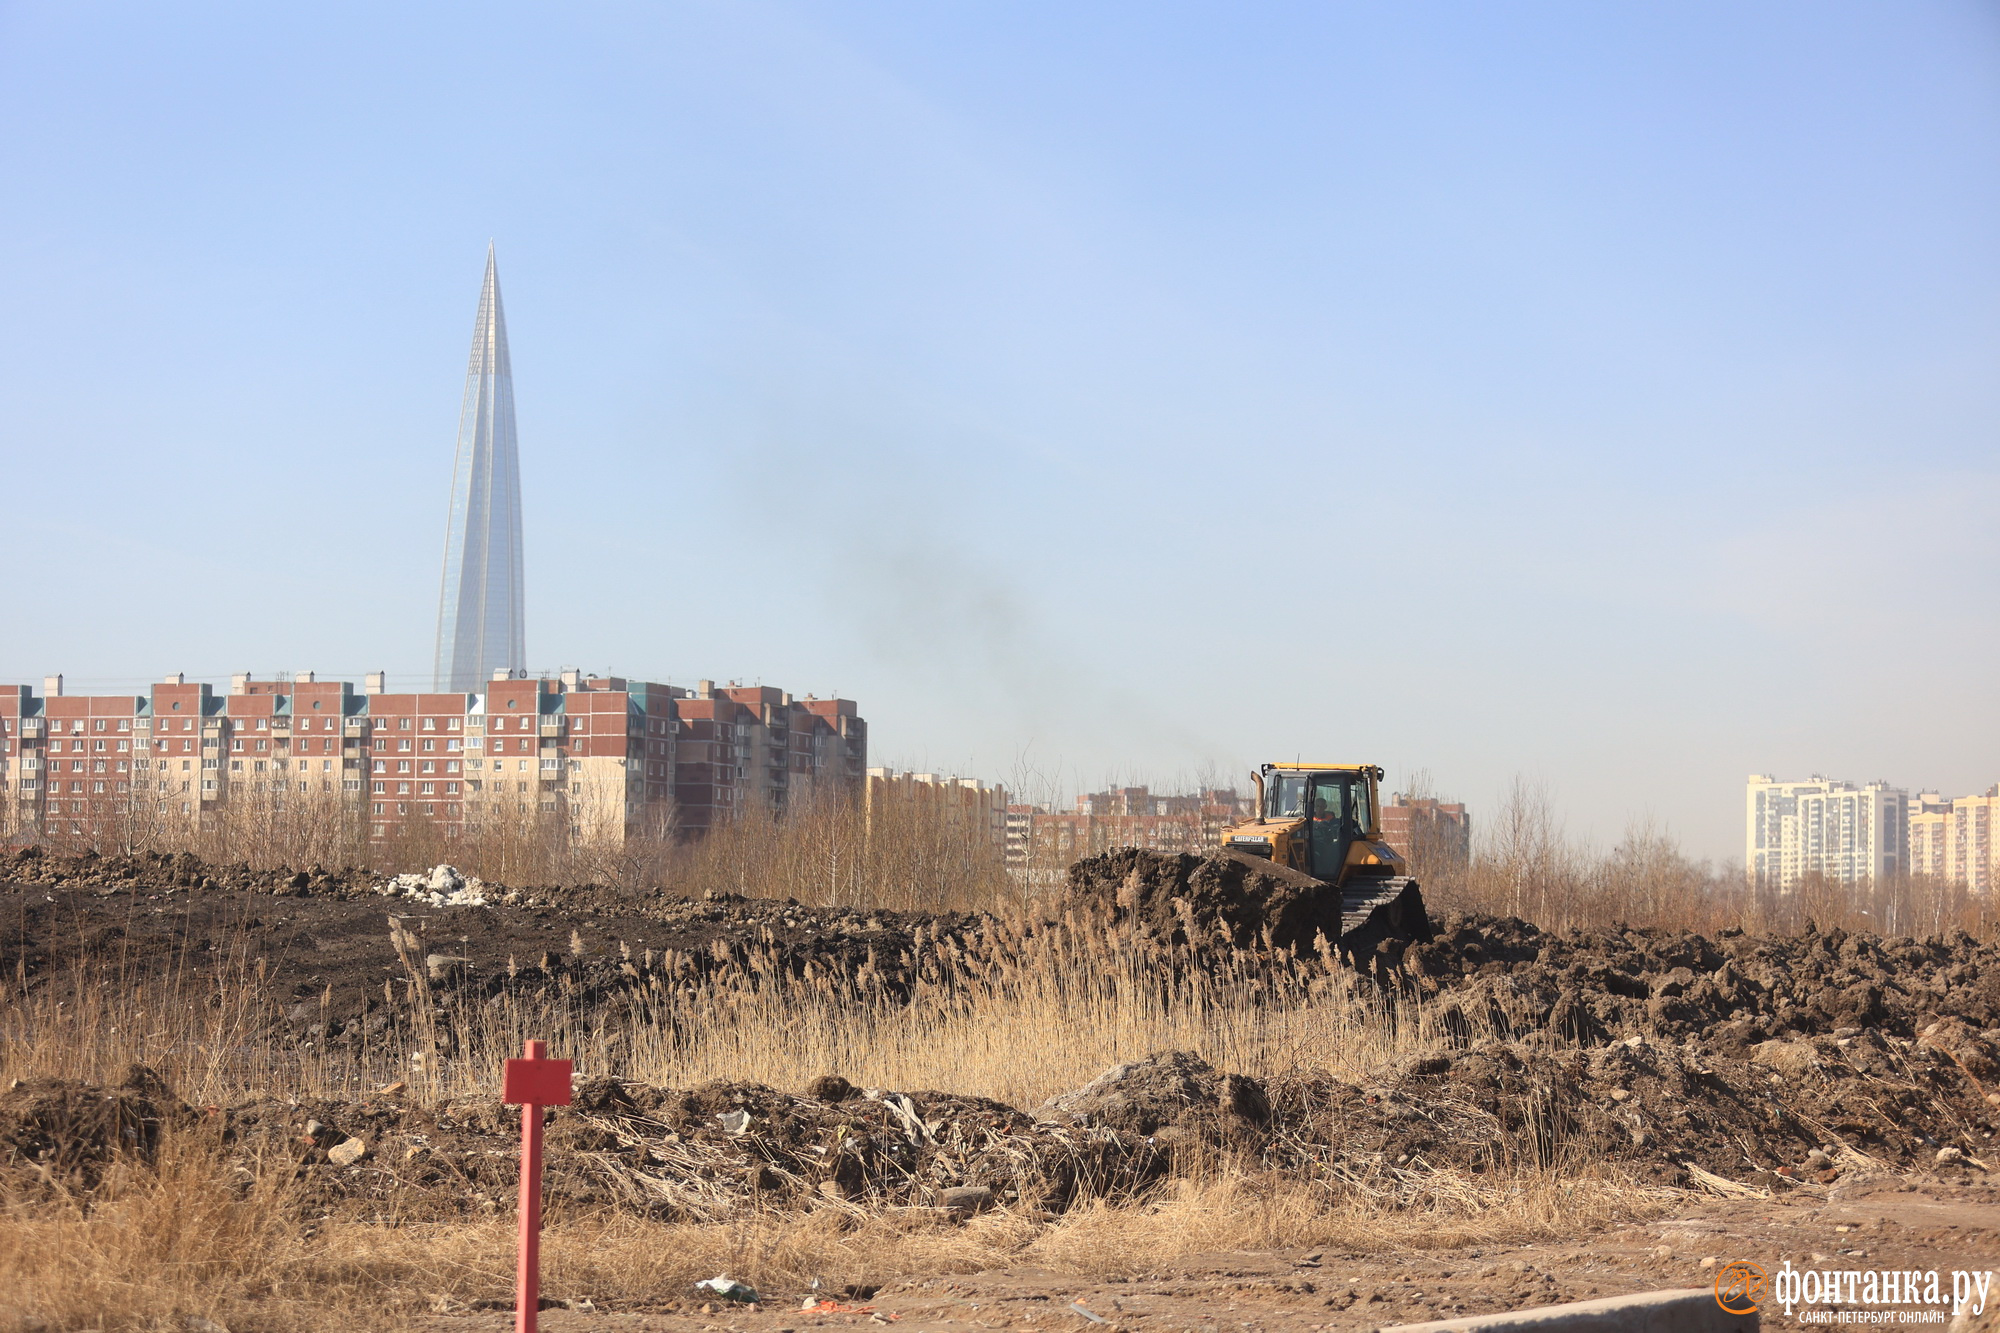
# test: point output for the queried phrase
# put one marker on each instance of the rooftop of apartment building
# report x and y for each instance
(286, 696)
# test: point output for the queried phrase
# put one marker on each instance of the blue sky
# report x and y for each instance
(1604, 394)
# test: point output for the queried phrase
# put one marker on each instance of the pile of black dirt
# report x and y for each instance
(1731, 993)
(1198, 902)
(59, 1134)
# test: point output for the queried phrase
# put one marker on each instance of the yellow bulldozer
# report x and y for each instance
(1324, 820)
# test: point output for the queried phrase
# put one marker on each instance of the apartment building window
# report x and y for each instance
(236, 765)
(403, 724)
(381, 788)
(101, 724)
(206, 763)
(402, 765)
(404, 747)
(99, 747)
(427, 788)
(430, 724)
(208, 784)
(402, 789)
(430, 746)
(454, 723)
(451, 788)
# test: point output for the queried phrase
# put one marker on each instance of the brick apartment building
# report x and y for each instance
(616, 758)
(1040, 844)
(1427, 831)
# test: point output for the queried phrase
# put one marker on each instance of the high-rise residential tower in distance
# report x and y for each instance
(479, 610)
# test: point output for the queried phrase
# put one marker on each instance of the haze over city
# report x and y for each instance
(1605, 396)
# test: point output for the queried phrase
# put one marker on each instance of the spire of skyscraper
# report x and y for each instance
(479, 610)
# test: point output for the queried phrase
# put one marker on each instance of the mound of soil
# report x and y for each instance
(320, 943)
(1733, 993)
(1755, 1058)
(1200, 901)
(67, 1134)
(1174, 1096)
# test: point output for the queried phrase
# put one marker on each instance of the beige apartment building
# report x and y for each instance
(1849, 833)
(964, 802)
(1956, 841)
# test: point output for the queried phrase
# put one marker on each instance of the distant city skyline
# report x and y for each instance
(481, 605)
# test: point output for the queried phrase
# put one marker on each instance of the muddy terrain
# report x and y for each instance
(1737, 1062)
(1801, 1084)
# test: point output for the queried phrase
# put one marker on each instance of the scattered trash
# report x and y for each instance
(441, 886)
(965, 1200)
(729, 1289)
(735, 1122)
(827, 1305)
(1093, 1318)
(446, 967)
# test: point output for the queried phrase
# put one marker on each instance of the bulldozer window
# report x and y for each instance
(1332, 814)
(1286, 799)
(1329, 800)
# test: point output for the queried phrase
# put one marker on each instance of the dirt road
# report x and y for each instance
(1879, 1224)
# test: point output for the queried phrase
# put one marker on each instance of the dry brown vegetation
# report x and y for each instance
(1524, 865)
(187, 1237)
(828, 846)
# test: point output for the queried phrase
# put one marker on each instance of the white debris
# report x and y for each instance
(441, 886)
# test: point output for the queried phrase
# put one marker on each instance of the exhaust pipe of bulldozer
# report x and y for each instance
(1258, 779)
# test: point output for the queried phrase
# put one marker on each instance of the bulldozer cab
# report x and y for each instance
(1336, 807)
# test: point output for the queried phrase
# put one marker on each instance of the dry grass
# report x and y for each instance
(163, 1248)
(826, 847)
(1525, 865)
(1017, 1016)
(1033, 1014)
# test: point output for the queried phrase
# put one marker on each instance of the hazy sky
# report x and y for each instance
(1601, 393)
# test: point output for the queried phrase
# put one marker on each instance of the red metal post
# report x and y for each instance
(529, 1276)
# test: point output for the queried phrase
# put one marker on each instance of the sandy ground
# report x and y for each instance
(1879, 1223)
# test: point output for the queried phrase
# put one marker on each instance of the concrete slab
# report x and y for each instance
(1689, 1310)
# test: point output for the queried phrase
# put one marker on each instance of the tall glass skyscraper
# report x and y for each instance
(479, 610)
